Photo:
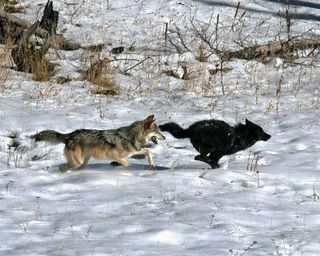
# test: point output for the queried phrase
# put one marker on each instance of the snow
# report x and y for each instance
(261, 201)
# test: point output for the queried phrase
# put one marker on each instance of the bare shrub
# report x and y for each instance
(200, 37)
(212, 37)
(252, 166)
(16, 152)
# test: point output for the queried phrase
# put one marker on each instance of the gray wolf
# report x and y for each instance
(214, 139)
(116, 144)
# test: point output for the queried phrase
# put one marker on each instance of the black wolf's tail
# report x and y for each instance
(49, 136)
(176, 130)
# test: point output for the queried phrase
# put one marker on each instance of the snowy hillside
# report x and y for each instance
(261, 201)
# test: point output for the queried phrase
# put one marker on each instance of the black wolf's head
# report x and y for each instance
(256, 132)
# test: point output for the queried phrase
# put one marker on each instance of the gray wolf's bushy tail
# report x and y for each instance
(176, 130)
(49, 136)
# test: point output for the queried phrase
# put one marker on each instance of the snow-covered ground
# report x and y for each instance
(261, 201)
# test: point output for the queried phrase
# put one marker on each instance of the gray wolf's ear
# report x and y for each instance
(151, 117)
(148, 122)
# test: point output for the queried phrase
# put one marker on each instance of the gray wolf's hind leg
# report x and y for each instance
(146, 152)
(85, 161)
(67, 166)
(74, 159)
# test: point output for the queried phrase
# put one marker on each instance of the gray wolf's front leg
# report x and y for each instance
(147, 152)
(119, 162)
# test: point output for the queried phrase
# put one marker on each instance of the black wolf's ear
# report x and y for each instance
(248, 122)
(148, 122)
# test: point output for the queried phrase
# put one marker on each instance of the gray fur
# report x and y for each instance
(81, 144)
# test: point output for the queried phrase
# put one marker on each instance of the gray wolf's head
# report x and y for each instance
(151, 130)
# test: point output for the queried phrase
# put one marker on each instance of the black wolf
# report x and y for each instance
(214, 139)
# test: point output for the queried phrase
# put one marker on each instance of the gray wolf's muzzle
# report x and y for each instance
(154, 139)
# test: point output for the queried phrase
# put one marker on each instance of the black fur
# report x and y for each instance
(214, 139)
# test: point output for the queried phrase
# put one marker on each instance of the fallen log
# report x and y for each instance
(285, 49)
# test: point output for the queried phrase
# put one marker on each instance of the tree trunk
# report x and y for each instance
(59, 40)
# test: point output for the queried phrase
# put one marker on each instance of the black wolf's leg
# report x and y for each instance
(214, 159)
(214, 164)
(200, 158)
(205, 159)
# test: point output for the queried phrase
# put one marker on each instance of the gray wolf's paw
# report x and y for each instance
(141, 156)
(152, 167)
(114, 164)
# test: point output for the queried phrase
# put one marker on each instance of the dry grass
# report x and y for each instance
(4, 69)
(99, 73)
(42, 70)
(28, 58)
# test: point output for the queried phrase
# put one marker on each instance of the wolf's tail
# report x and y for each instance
(176, 130)
(49, 136)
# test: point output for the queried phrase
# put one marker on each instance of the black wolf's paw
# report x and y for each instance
(198, 158)
(114, 164)
(205, 159)
(201, 158)
(214, 165)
